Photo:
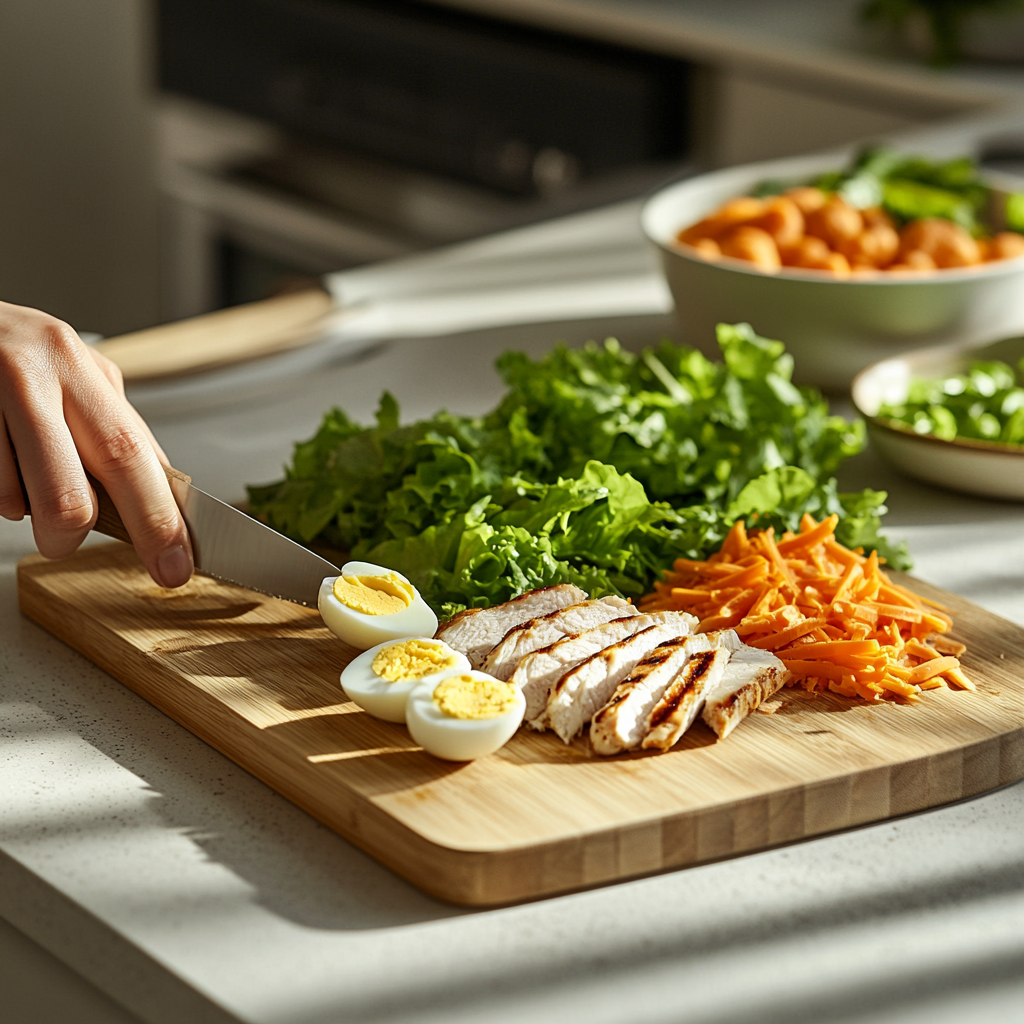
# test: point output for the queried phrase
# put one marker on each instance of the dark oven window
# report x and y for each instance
(516, 109)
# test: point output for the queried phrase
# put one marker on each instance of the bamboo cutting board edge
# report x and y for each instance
(199, 716)
(511, 873)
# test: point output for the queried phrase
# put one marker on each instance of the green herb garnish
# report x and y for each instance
(598, 467)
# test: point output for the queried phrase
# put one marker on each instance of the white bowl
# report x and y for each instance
(833, 328)
(974, 467)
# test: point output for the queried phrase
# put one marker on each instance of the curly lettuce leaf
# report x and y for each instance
(588, 531)
(780, 498)
(598, 467)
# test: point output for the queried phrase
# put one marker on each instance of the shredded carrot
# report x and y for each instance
(956, 675)
(921, 650)
(845, 649)
(809, 537)
(785, 636)
(897, 611)
(946, 645)
(929, 669)
(832, 615)
(821, 669)
(900, 687)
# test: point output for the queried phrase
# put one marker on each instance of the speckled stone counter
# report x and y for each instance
(186, 890)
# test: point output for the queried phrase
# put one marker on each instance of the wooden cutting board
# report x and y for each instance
(257, 678)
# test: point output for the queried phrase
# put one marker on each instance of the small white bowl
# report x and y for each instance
(833, 328)
(974, 467)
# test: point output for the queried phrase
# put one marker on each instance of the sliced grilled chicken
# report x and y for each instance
(623, 722)
(586, 688)
(541, 632)
(538, 672)
(750, 677)
(476, 631)
(682, 701)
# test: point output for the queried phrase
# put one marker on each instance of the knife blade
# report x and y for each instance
(229, 545)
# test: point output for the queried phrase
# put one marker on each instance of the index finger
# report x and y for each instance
(116, 450)
(110, 370)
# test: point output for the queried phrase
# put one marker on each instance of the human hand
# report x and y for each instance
(63, 411)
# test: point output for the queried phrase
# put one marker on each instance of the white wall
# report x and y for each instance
(752, 118)
(78, 198)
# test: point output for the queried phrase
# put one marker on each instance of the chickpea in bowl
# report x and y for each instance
(809, 229)
(835, 324)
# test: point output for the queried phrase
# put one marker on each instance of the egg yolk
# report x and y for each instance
(374, 595)
(468, 697)
(412, 659)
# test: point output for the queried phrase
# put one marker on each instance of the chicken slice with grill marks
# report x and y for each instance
(579, 693)
(476, 631)
(538, 672)
(533, 634)
(750, 677)
(623, 722)
(682, 701)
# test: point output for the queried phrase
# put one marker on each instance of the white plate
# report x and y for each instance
(973, 467)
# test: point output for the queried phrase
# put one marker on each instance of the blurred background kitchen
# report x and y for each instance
(163, 159)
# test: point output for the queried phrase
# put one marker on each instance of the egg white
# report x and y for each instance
(385, 699)
(459, 739)
(362, 631)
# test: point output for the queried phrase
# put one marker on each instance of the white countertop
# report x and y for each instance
(187, 890)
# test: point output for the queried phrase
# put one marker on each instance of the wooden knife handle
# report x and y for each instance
(108, 521)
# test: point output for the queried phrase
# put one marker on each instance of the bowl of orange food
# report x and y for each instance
(838, 265)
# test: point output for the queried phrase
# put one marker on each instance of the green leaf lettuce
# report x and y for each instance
(598, 467)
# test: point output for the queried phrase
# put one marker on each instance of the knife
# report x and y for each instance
(231, 546)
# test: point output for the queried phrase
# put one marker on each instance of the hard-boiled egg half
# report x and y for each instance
(381, 679)
(368, 604)
(464, 715)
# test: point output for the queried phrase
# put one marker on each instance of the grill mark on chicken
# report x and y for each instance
(580, 693)
(696, 673)
(624, 606)
(515, 602)
(751, 677)
(662, 653)
(682, 701)
(538, 672)
(623, 722)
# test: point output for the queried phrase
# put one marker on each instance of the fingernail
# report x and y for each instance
(174, 566)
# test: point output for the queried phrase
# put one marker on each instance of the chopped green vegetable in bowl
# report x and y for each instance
(911, 188)
(984, 404)
(598, 467)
